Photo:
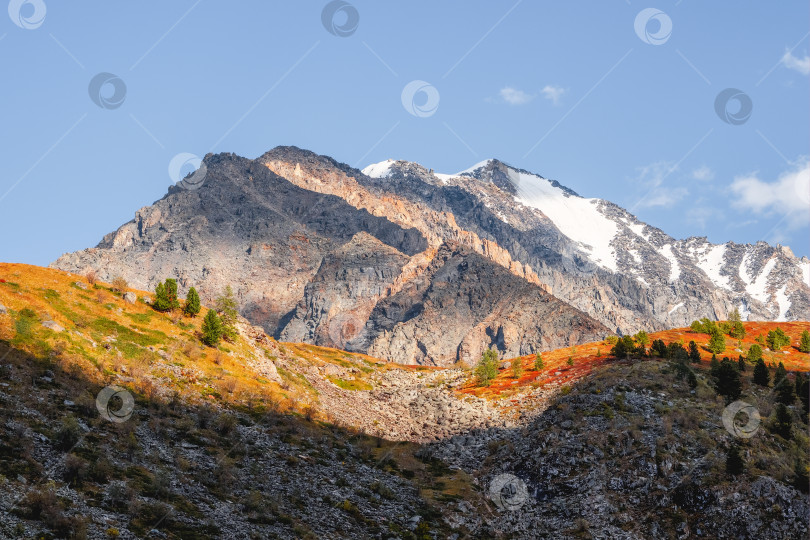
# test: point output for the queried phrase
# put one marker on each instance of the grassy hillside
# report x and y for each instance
(261, 439)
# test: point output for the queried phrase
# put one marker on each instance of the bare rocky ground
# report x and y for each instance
(629, 452)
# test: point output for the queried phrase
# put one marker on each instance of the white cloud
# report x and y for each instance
(703, 173)
(700, 215)
(554, 93)
(788, 195)
(513, 96)
(651, 177)
(802, 65)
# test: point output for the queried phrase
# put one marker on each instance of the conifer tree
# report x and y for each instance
(538, 362)
(192, 307)
(754, 353)
(694, 352)
(728, 381)
(211, 328)
(783, 422)
(161, 302)
(717, 342)
(487, 368)
(804, 342)
(777, 339)
(761, 375)
(226, 306)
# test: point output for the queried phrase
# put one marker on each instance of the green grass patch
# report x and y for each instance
(140, 318)
(351, 385)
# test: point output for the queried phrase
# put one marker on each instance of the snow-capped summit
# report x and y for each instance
(379, 170)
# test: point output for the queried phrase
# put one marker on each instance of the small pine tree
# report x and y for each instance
(734, 461)
(211, 328)
(783, 423)
(166, 296)
(779, 375)
(570, 361)
(517, 368)
(694, 352)
(161, 302)
(785, 391)
(538, 362)
(728, 381)
(487, 368)
(192, 307)
(642, 338)
(777, 339)
(754, 353)
(714, 366)
(226, 307)
(741, 364)
(623, 348)
(804, 396)
(691, 379)
(696, 327)
(171, 293)
(717, 342)
(761, 375)
(737, 330)
(804, 342)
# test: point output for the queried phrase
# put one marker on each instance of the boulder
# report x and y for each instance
(3, 309)
(130, 297)
(53, 326)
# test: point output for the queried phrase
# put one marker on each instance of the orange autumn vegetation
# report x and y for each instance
(589, 356)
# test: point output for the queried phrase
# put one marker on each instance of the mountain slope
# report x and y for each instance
(309, 265)
(574, 244)
(316, 250)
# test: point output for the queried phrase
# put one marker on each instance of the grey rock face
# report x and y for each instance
(130, 297)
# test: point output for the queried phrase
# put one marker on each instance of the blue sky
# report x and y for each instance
(575, 91)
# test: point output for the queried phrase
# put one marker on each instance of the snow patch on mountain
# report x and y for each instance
(674, 267)
(379, 170)
(472, 169)
(711, 260)
(758, 288)
(783, 302)
(576, 217)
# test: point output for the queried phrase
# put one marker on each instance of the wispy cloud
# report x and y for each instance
(651, 178)
(699, 215)
(553, 93)
(788, 195)
(513, 96)
(802, 65)
(703, 173)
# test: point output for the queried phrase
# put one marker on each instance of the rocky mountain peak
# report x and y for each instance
(314, 247)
